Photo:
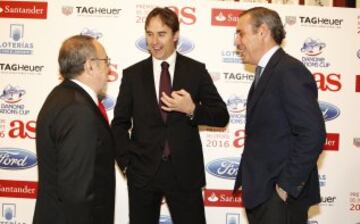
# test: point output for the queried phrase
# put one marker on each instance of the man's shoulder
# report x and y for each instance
(138, 65)
(184, 59)
(286, 60)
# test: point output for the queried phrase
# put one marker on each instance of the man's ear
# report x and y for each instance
(263, 30)
(88, 66)
(176, 36)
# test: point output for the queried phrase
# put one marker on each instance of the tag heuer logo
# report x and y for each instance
(291, 20)
(67, 10)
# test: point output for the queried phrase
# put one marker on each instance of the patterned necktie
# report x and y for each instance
(257, 75)
(165, 86)
(103, 110)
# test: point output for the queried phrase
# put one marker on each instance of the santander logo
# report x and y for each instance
(25, 10)
(225, 17)
(222, 198)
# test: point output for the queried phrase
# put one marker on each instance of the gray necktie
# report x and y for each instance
(257, 75)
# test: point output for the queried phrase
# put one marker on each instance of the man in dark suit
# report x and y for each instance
(163, 156)
(74, 143)
(285, 129)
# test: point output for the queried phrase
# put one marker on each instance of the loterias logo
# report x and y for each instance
(225, 17)
(8, 211)
(25, 10)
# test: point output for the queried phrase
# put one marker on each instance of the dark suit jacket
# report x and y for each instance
(137, 107)
(75, 152)
(285, 133)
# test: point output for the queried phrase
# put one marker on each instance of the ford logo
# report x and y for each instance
(329, 111)
(16, 159)
(226, 168)
(184, 45)
(108, 102)
(164, 219)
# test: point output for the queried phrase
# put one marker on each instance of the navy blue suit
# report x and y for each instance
(285, 133)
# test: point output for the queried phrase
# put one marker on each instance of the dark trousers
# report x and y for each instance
(185, 206)
(276, 211)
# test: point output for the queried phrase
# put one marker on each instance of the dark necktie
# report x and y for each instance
(165, 86)
(103, 110)
(257, 75)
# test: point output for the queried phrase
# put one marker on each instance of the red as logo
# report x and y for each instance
(20, 129)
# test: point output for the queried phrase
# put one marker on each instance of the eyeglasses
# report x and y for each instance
(107, 60)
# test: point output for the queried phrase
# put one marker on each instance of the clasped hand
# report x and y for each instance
(179, 101)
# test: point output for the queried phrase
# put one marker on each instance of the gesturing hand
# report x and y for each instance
(179, 101)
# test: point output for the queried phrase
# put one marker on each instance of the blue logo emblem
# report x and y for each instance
(11, 94)
(184, 45)
(8, 211)
(329, 111)
(312, 222)
(313, 47)
(225, 168)
(108, 102)
(232, 218)
(16, 31)
(164, 219)
(236, 104)
(16, 159)
(92, 33)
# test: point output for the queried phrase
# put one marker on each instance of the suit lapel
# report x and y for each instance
(179, 73)
(255, 94)
(180, 77)
(149, 87)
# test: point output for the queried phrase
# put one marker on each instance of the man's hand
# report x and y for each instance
(179, 101)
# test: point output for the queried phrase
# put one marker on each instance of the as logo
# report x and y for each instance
(239, 140)
(330, 82)
(186, 14)
(21, 129)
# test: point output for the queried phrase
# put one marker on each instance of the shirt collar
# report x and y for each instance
(170, 60)
(266, 57)
(88, 90)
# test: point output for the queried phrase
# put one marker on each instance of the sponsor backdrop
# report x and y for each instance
(326, 40)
